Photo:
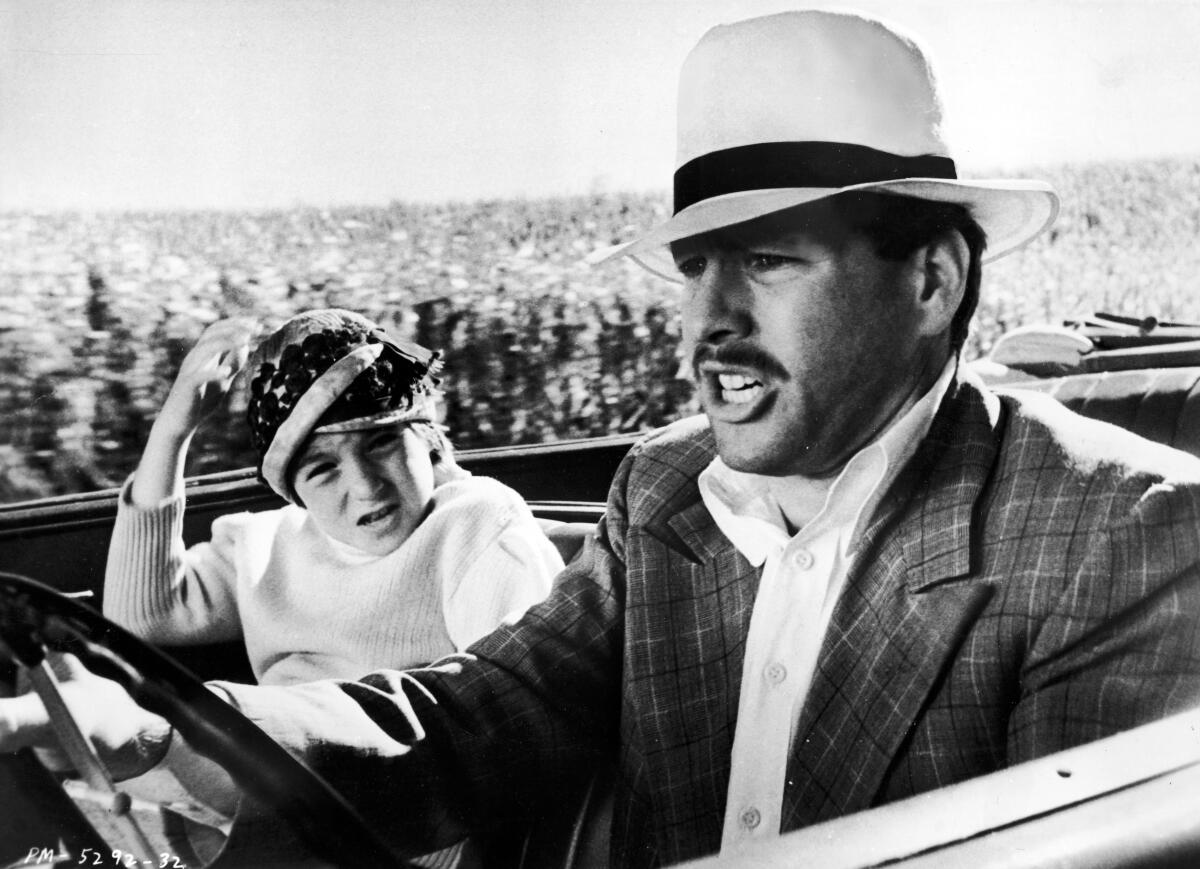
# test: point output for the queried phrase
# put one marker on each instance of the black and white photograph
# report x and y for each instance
(552, 434)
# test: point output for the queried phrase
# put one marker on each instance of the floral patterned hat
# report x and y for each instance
(332, 370)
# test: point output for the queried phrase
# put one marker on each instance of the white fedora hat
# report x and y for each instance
(786, 109)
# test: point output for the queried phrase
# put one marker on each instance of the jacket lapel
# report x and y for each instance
(907, 604)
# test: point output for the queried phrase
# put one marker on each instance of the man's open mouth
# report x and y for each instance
(377, 515)
(739, 388)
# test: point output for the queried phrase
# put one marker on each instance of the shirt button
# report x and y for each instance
(803, 559)
(776, 673)
(751, 818)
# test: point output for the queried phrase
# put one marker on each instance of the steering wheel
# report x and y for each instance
(35, 618)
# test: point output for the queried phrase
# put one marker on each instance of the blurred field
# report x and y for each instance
(96, 310)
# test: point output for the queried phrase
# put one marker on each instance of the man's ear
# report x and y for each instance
(943, 263)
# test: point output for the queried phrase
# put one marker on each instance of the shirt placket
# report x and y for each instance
(783, 632)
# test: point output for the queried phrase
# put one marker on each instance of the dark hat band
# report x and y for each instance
(771, 165)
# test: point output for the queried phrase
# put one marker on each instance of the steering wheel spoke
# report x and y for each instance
(83, 756)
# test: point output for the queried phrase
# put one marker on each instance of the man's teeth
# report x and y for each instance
(738, 388)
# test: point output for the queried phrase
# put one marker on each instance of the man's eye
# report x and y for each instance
(691, 267)
(768, 261)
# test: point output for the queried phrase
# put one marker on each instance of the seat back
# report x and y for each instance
(1162, 404)
(568, 537)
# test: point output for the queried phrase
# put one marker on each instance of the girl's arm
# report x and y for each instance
(153, 586)
(163, 591)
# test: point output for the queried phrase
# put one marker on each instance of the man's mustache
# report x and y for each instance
(738, 355)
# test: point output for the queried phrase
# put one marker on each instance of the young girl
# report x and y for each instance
(388, 554)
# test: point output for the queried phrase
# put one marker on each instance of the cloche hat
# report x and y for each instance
(332, 370)
(786, 109)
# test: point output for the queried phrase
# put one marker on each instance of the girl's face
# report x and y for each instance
(367, 489)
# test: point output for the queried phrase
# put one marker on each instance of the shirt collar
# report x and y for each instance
(747, 509)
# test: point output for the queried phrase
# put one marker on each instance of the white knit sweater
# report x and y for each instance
(309, 607)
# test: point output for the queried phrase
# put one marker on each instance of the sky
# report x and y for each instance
(275, 103)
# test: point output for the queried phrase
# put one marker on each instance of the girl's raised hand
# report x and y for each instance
(207, 373)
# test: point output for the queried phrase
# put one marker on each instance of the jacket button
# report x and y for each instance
(751, 818)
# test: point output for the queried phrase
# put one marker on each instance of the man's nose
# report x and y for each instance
(718, 304)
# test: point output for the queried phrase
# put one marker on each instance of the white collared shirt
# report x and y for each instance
(802, 577)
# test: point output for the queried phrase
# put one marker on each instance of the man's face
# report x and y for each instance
(369, 489)
(804, 343)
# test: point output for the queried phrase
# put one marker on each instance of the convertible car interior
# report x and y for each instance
(1130, 800)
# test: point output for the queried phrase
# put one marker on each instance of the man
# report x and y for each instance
(862, 575)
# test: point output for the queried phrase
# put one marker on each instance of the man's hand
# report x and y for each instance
(128, 739)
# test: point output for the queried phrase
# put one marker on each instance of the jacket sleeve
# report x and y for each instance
(1120, 644)
(477, 741)
(162, 591)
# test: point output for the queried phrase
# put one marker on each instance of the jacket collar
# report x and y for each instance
(949, 473)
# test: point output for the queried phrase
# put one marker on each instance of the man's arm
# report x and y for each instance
(1121, 644)
(426, 757)
(479, 740)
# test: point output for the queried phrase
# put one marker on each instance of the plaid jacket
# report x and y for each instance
(1031, 582)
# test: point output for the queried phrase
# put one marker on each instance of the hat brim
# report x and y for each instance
(422, 410)
(1011, 211)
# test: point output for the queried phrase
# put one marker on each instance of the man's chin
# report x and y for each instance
(752, 450)
(741, 451)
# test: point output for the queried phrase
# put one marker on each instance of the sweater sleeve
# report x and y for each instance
(511, 573)
(162, 591)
